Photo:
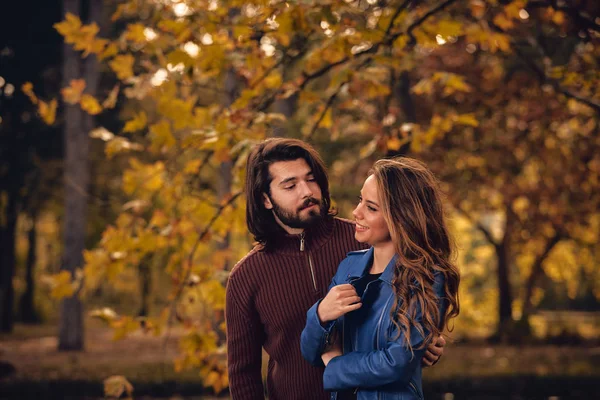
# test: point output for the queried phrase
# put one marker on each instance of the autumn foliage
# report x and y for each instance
(499, 97)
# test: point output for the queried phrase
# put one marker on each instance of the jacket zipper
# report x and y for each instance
(381, 318)
(310, 263)
(412, 385)
(356, 336)
(379, 331)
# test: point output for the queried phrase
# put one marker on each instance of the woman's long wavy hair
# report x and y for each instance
(411, 203)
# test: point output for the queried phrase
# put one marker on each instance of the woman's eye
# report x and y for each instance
(359, 198)
(371, 208)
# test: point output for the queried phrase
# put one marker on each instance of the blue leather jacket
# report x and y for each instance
(376, 363)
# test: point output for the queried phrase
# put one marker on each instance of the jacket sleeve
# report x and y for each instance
(393, 363)
(245, 337)
(315, 336)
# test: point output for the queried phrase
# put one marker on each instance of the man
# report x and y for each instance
(300, 244)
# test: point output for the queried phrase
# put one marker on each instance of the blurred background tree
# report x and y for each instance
(500, 98)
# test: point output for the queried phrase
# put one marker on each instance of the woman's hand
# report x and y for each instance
(340, 300)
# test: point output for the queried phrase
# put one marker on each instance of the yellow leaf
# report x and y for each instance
(105, 314)
(512, 10)
(192, 167)
(90, 105)
(159, 219)
(27, 88)
(449, 28)
(137, 123)
(502, 41)
(116, 385)
(273, 80)
(119, 145)
(111, 100)
(327, 120)
(69, 27)
(179, 56)
(61, 285)
(467, 119)
(503, 22)
(96, 46)
(122, 65)
(109, 51)
(72, 93)
(214, 294)
(457, 83)
(161, 135)
(520, 204)
(123, 327)
(393, 143)
(400, 42)
(48, 111)
(558, 18)
(243, 31)
(424, 86)
(135, 33)
(368, 149)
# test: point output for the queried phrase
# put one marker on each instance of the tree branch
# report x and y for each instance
(536, 270)
(401, 8)
(552, 82)
(327, 106)
(486, 232)
(190, 258)
(580, 19)
(543, 78)
(412, 40)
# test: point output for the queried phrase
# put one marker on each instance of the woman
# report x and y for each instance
(386, 304)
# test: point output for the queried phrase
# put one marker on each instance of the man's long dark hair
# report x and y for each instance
(260, 221)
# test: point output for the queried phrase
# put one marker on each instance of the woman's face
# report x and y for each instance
(370, 228)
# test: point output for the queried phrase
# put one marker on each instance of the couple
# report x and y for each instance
(383, 312)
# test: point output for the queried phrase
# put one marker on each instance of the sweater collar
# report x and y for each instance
(314, 238)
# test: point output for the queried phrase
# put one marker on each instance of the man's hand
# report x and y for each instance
(333, 350)
(434, 352)
(340, 300)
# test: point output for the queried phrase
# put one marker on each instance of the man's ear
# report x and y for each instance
(267, 202)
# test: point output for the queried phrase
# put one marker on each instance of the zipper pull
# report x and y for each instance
(302, 241)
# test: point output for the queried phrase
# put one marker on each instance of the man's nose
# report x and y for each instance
(306, 190)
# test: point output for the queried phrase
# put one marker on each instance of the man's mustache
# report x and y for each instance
(309, 202)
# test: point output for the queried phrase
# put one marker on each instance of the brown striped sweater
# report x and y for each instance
(268, 295)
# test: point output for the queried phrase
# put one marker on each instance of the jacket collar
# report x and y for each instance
(314, 238)
(363, 263)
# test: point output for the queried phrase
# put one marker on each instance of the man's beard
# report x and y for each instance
(293, 219)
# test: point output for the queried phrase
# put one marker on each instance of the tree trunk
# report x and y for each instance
(401, 90)
(7, 264)
(145, 277)
(27, 311)
(536, 271)
(505, 297)
(71, 335)
(286, 107)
